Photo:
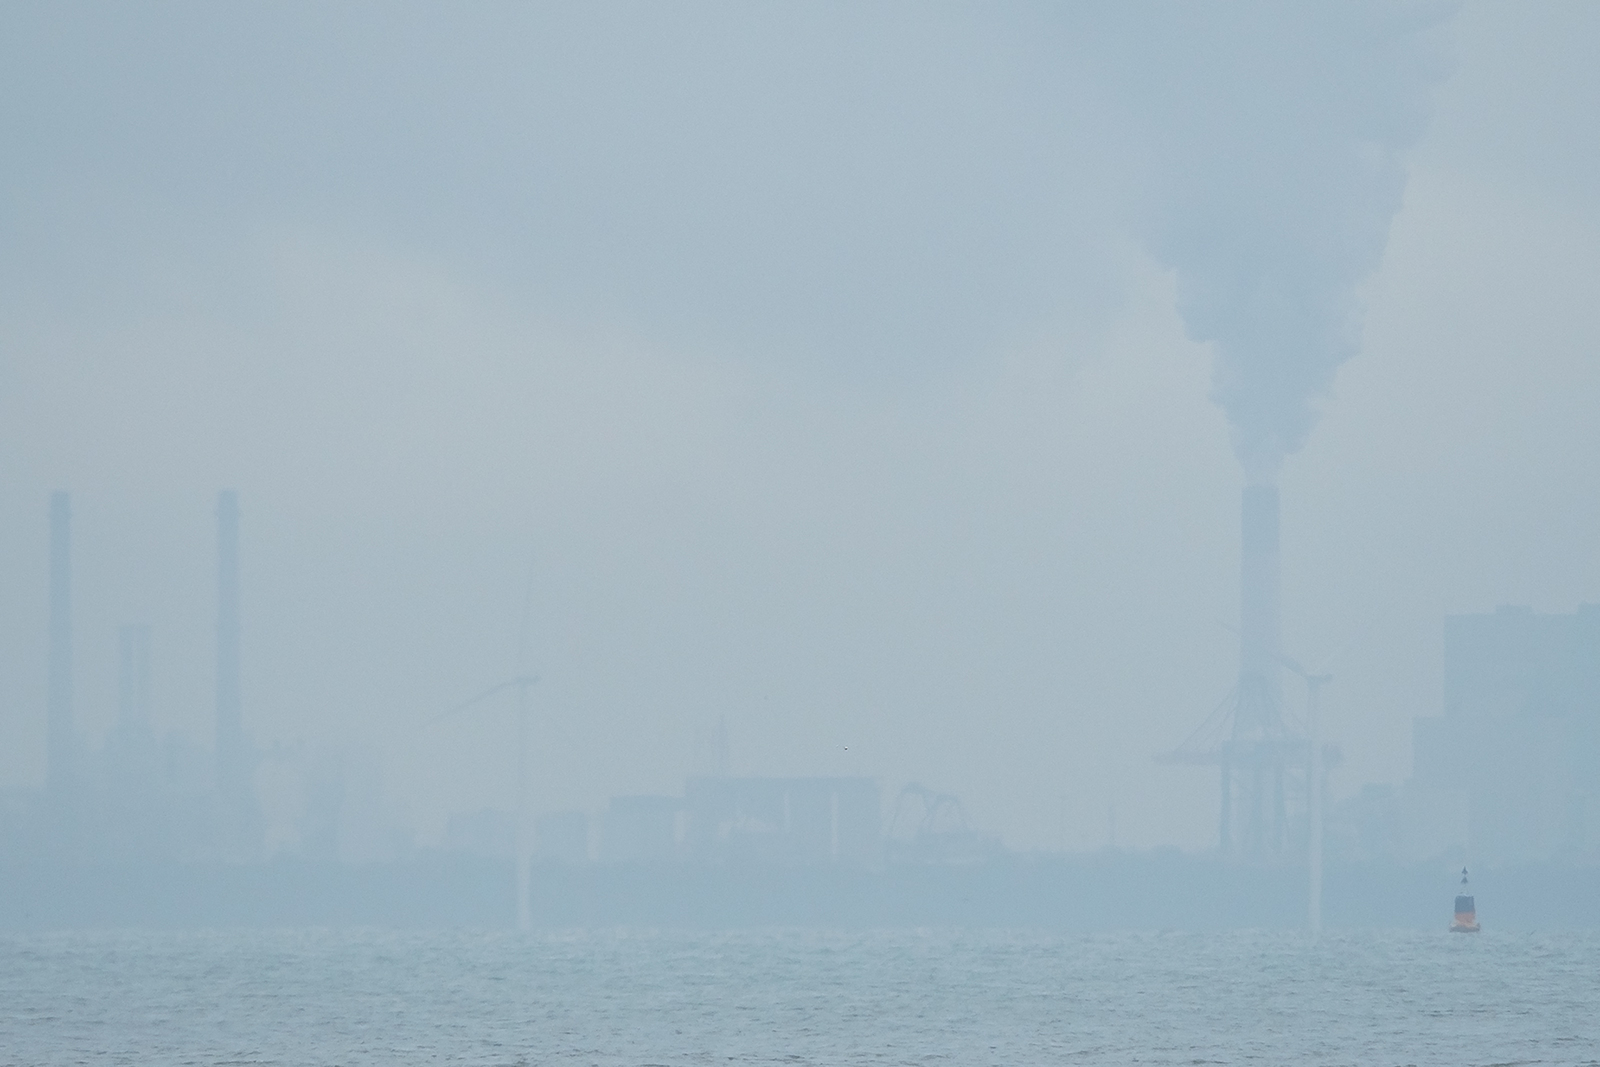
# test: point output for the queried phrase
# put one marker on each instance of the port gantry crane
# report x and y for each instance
(1257, 746)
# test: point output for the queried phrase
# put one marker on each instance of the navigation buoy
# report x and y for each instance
(1466, 920)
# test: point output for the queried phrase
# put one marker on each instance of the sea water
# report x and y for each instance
(798, 997)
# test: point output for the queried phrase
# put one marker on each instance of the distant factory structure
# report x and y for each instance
(732, 821)
(1510, 772)
(1267, 761)
(138, 794)
(784, 821)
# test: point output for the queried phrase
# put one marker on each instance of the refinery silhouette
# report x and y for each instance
(144, 826)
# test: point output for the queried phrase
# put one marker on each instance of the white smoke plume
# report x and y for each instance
(1277, 135)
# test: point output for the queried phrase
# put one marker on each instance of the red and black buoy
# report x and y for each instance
(1466, 920)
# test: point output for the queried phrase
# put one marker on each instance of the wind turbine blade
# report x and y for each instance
(465, 704)
(1294, 665)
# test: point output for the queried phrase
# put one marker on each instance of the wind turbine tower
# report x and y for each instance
(521, 683)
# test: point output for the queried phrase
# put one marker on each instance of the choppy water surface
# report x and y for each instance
(298, 997)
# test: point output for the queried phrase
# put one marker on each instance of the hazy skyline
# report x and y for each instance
(828, 367)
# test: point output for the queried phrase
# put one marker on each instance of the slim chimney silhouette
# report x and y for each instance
(1256, 752)
(60, 745)
(232, 759)
(1258, 592)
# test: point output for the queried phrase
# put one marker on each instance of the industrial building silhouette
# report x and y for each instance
(1506, 775)
(138, 795)
(1511, 770)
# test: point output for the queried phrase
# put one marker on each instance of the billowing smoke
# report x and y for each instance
(1276, 137)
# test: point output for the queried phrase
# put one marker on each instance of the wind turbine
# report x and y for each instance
(521, 682)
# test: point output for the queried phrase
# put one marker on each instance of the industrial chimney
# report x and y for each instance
(60, 745)
(1256, 750)
(1258, 599)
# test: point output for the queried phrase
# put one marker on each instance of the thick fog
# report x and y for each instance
(877, 379)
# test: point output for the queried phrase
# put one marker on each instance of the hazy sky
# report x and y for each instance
(846, 371)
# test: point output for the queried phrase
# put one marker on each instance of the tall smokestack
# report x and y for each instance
(1254, 755)
(1258, 591)
(59, 744)
(232, 763)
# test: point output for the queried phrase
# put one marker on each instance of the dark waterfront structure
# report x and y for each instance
(1087, 892)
